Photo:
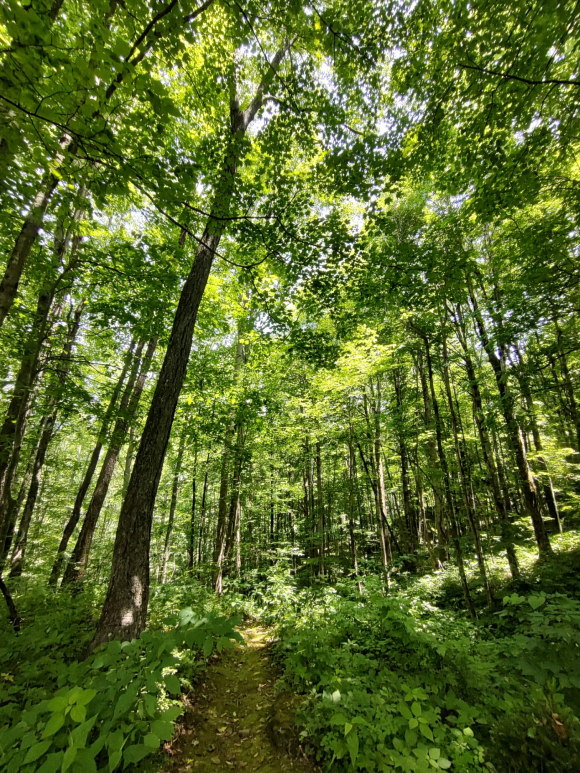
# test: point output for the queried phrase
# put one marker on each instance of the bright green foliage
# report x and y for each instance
(396, 683)
(118, 706)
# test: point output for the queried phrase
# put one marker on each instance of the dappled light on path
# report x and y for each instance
(236, 721)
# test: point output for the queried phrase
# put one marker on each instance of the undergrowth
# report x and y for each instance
(60, 712)
(401, 680)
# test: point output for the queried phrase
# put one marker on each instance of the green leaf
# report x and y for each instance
(53, 725)
(58, 703)
(536, 601)
(162, 729)
(115, 740)
(114, 759)
(80, 734)
(85, 761)
(207, 647)
(86, 697)
(69, 758)
(52, 763)
(78, 713)
(352, 743)
(443, 763)
(172, 713)
(416, 708)
(173, 684)
(135, 753)
(152, 741)
(426, 731)
(36, 751)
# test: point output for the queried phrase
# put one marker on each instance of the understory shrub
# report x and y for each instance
(116, 707)
(394, 683)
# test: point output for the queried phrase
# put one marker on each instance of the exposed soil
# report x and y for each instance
(236, 721)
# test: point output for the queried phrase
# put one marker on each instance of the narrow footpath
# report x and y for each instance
(236, 721)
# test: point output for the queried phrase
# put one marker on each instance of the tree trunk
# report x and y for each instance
(71, 524)
(442, 540)
(468, 501)
(173, 506)
(202, 513)
(236, 485)
(568, 385)
(351, 496)
(526, 481)
(546, 482)
(447, 484)
(408, 507)
(15, 618)
(222, 523)
(486, 449)
(79, 560)
(24, 243)
(17, 562)
(124, 612)
(191, 541)
(320, 510)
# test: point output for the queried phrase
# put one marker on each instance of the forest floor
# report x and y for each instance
(236, 721)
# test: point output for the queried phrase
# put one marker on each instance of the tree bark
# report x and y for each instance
(320, 510)
(17, 561)
(351, 497)
(79, 559)
(75, 515)
(446, 482)
(486, 448)
(468, 501)
(442, 539)
(172, 506)
(191, 541)
(526, 481)
(124, 612)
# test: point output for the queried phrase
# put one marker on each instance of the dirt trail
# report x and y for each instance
(228, 725)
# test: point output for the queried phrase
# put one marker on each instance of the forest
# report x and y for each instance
(289, 386)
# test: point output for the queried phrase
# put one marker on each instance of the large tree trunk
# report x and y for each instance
(526, 481)
(124, 612)
(75, 515)
(79, 559)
